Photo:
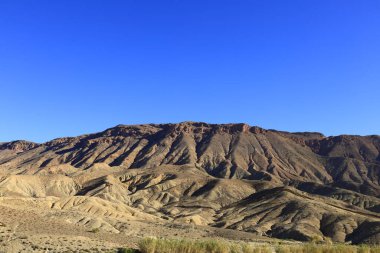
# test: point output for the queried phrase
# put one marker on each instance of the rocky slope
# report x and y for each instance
(301, 186)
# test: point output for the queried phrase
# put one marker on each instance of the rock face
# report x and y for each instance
(298, 186)
(18, 146)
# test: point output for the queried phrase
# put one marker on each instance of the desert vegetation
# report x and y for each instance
(154, 245)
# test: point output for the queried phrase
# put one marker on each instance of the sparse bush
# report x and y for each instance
(154, 245)
(124, 250)
(95, 230)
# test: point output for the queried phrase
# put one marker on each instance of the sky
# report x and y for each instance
(80, 66)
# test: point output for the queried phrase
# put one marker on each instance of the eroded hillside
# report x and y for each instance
(229, 177)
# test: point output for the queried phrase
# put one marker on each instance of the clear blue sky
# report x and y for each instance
(75, 67)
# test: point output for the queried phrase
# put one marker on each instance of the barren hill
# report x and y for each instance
(268, 183)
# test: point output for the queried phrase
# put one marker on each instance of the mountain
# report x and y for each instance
(271, 184)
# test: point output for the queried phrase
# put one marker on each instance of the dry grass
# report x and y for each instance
(153, 245)
(317, 248)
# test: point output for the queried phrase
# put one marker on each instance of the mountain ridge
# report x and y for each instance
(245, 178)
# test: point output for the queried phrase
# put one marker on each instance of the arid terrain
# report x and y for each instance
(194, 180)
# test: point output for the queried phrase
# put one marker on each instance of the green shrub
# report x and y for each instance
(124, 250)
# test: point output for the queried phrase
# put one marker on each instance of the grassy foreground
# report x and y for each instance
(153, 245)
